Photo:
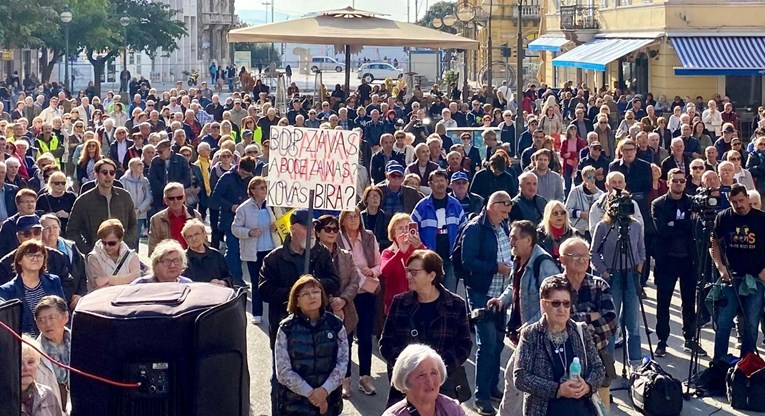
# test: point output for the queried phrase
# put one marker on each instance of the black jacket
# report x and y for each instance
(670, 163)
(178, 171)
(282, 268)
(122, 165)
(379, 162)
(380, 229)
(485, 183)
(663, 211)
(204, 267)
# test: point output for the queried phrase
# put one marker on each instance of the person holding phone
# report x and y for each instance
(406, 239)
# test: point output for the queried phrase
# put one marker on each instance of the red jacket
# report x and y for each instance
(573, 157)
(393, 272)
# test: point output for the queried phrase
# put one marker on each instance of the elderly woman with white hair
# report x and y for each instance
(37, 399)
(168, 260)
(419, 372)
(12, 173)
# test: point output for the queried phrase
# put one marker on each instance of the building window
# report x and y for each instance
(624, 2)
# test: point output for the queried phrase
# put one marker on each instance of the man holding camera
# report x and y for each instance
(738, 252)
(672, 215)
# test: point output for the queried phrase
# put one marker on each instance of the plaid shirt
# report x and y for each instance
(499, 282)
(594, 295)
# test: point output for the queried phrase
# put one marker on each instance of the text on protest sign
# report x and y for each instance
(302, 159)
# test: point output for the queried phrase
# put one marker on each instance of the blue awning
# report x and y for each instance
(597, 53)
(548, 43)
(724, 55)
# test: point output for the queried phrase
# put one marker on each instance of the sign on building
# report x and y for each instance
(302, 160)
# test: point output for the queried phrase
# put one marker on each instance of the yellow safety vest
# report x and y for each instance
(44, 147)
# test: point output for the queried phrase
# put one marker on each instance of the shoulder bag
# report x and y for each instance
(600, 408)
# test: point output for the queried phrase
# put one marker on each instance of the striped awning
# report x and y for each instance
(548, 43)
(724, 55)
(597, 53)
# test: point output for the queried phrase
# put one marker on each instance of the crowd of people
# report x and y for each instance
(524, 224)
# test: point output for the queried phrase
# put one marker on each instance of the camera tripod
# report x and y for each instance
(702, 232)
(624, 264)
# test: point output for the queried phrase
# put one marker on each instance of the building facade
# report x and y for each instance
(683, 48)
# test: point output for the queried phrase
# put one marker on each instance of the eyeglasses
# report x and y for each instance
(413, 272)
(697, 167)
(331, 230)
(111, 243)
(174, 198)
(558, 303)
(576, 257)
(172, 262)
(59, 183)
(629, 149)
(734, 159)
(558, 213)
(34, 256)
(48, 318)
(307, 293)
(107, 172)
(678, 180)
(32, 231)
(507, 203)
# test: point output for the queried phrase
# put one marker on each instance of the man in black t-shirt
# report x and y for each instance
(738, 250)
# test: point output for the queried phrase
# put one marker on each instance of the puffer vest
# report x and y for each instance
(313, 354)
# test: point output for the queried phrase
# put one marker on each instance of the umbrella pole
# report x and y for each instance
(348, 70)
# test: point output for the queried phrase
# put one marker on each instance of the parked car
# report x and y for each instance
(378, 71)
(325, 63)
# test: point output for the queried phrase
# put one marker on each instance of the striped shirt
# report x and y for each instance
(499, 281)
(32, 297)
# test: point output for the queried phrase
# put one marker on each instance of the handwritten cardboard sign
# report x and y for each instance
(302, 159)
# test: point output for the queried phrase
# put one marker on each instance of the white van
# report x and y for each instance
(325, 63)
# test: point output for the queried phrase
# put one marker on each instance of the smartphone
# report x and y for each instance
(413, 228)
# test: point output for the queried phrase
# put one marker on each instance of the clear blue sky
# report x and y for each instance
(396, 9)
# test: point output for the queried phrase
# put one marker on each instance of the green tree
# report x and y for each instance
(440, 9)
(259, 54)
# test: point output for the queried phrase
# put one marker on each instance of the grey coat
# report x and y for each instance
(533, 372)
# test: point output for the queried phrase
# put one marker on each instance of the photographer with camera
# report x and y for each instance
(737, 251)
(614, 180)
(674, 259)
(620, 265)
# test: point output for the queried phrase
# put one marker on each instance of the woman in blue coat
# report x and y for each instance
(31, 283)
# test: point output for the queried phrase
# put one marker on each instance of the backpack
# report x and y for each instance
(456, 255)
(746, 384)
(655, 392)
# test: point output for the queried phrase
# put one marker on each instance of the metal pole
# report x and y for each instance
(308, 229)
(272, 44)
(489, 45)
(519, 79)
(124, 68)
(67, 81)
(347, 71)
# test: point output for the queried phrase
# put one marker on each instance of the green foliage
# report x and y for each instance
(450, 77)
(440, 9)
(21, 21)
(259, 53)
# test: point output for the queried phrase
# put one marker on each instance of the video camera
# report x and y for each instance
(492, 313)
(704, 202)
(620, 205)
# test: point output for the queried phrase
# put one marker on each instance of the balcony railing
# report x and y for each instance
(531, 11)
(578, 17)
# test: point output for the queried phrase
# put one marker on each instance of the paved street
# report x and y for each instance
(676, 362)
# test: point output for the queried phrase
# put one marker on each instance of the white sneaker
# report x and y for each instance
(257, 320)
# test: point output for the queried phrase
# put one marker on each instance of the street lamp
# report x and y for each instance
(519, 123)
(66, 17)
(490, 8)
(124, 21)
(269, 3)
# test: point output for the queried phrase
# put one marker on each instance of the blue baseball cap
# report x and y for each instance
(247, 133)
(459, 176)
(27, 222)
(394, 167)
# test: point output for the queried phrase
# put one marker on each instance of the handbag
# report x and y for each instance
(746, 384)
(597, 403)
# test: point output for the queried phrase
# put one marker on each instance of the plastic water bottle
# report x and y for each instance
(575, 369)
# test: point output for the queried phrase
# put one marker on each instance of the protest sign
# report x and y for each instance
(283, 224)
(302, 160)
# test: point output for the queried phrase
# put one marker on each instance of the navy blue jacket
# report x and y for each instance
(378, 165)
(230, 190)
(10, 198)
(479, 252)
(122, 165)
(178, 171)
(373, 131)
(15, 290)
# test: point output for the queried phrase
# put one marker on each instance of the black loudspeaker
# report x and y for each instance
(10, 359)
(185, 343)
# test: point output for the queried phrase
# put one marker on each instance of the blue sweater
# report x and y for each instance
(424, 215)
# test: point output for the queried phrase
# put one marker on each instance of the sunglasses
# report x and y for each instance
(558, 303)
(558, 213)
(59, 183)
(331, 230)
(697, 167)
(108, 172)
(678, 180)
(110, 243)
(734, 159)
(507, 203)
(174, 198)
